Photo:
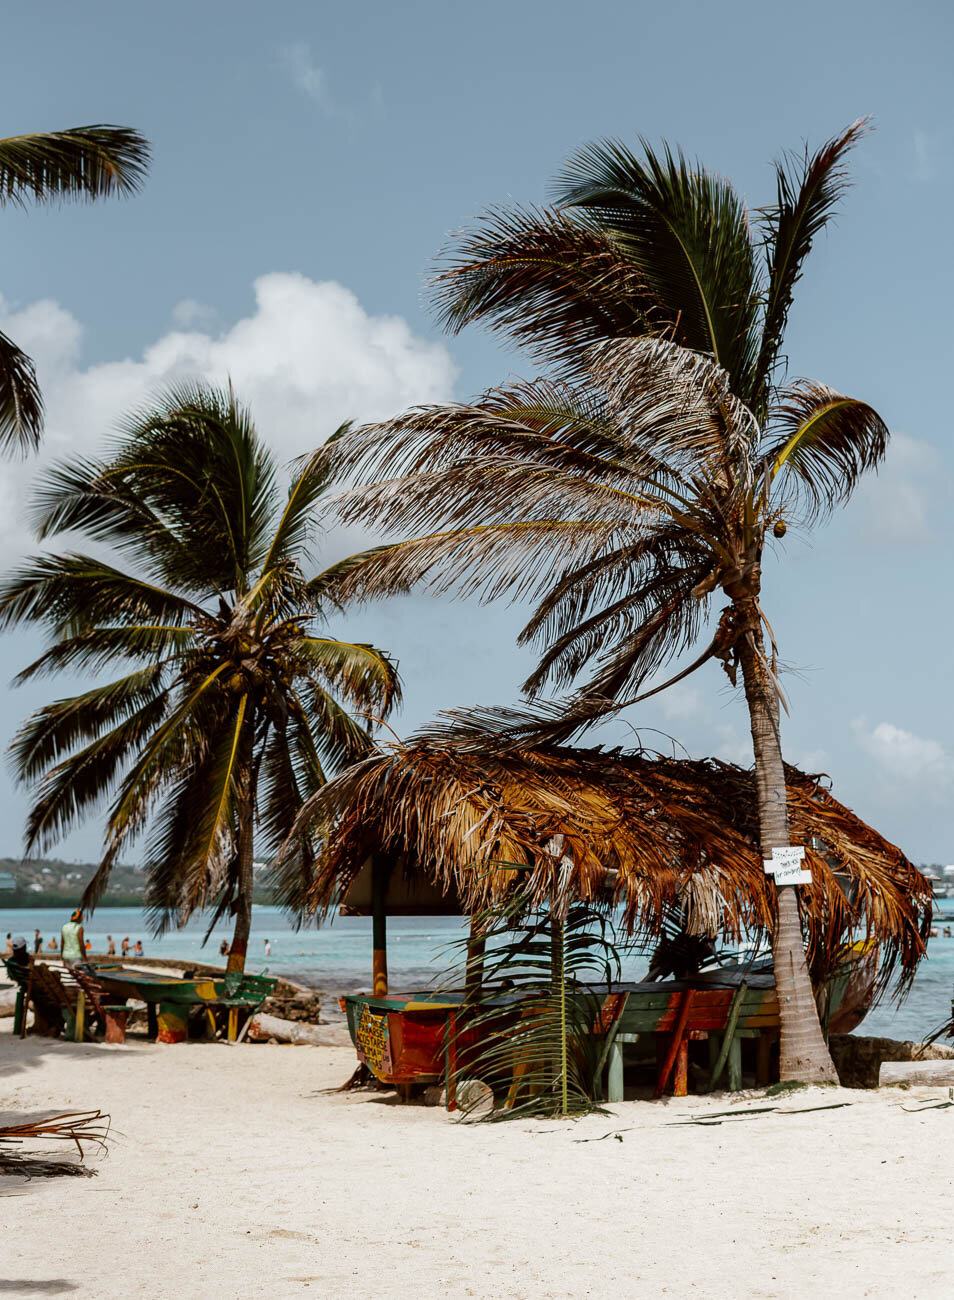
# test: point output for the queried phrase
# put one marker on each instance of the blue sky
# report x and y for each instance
(311, 159)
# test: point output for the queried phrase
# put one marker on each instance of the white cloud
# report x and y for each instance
(907, 759)
(190, 312)
(309, 78)
(306, 359)
(905, 503)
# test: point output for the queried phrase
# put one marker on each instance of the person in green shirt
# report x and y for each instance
(71, 939)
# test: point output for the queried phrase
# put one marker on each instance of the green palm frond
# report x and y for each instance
(73, 593)
(77, 785)
(21, 403)
(809, 190)
(85, 162)
(546, 281)
(235, 701)
(59, 727)
(686, 233)
(822, 443)
(99, 647)
(360, 673)
(533, 1031)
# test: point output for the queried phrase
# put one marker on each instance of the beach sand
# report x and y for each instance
(233, 1173)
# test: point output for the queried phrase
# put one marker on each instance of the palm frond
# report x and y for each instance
(98, 647)
(364, 676)
(809, 189)
(68, 792)
(685, 232)
(823, 442)
(59, 727)
(85, 162)
(546, 281)
(21, 403)
(73, 593)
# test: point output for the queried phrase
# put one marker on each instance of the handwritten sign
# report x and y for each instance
(786, 866)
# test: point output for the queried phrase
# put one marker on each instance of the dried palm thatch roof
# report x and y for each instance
(649, 833)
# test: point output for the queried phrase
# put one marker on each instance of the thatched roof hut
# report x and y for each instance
(648, 833)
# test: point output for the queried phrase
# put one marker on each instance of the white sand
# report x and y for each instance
(236, 1176)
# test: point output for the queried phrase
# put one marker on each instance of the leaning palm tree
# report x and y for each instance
(645, 477)
(233, 700)
(87, 162)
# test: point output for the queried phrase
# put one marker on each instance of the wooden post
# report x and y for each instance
(727, 1038)
(680, 1079)
(79, 1024)
(379, 926)
(676, 1042)
(474, 976)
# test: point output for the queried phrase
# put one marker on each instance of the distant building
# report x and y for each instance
(948, 872)
(7, 881)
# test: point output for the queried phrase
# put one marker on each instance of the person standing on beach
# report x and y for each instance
(37, 941)
(139, 951)
(268, 948)
(125, 946)
(110, 946)
(72, 940)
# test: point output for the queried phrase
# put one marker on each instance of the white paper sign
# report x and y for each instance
(788, 857)
(793, 877)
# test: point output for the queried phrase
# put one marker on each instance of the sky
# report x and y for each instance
(311, 160)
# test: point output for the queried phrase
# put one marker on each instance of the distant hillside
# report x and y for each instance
(51, 882)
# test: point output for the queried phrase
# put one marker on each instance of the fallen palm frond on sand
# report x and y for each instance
(79, 1126)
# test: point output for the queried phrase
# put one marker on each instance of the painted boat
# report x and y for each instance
(411, 1039)
(172, 996)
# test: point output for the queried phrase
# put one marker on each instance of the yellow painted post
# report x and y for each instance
(379, 927)
(233, 1024)
(79, 1024)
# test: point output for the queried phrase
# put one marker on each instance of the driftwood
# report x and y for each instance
(858, 1059)
(931, 1074)
(265, 1027)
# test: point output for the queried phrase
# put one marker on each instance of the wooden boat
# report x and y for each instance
(169, 997)
(415, 1039)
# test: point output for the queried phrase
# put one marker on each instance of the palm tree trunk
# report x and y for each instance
(804, 1052)
(245, 849)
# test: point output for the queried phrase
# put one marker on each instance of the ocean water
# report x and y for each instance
(337, 957)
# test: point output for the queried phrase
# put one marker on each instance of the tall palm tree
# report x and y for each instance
(87, 162)
(646, 476)
(232, 703)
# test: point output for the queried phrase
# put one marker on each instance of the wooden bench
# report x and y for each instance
(676, 1013)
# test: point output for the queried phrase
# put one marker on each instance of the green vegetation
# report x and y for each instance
(642, 480)
(239, 699)
(87, 162)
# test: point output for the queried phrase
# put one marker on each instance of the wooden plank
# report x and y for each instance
(729, 1035)
(677, 1037)
(932, 1074)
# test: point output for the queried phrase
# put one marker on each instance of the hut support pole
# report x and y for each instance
(379, 927)
(474, 977)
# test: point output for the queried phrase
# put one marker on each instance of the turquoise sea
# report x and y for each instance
(337, 957)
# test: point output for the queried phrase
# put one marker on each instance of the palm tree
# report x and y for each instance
(233, 699)
(87, 162)
(646, 476)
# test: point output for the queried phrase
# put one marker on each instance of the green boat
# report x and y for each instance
(169, 997)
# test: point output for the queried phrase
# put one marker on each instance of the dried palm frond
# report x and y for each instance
(78, 1127)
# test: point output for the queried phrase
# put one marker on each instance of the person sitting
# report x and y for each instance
(139, 952)
(51, 946)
